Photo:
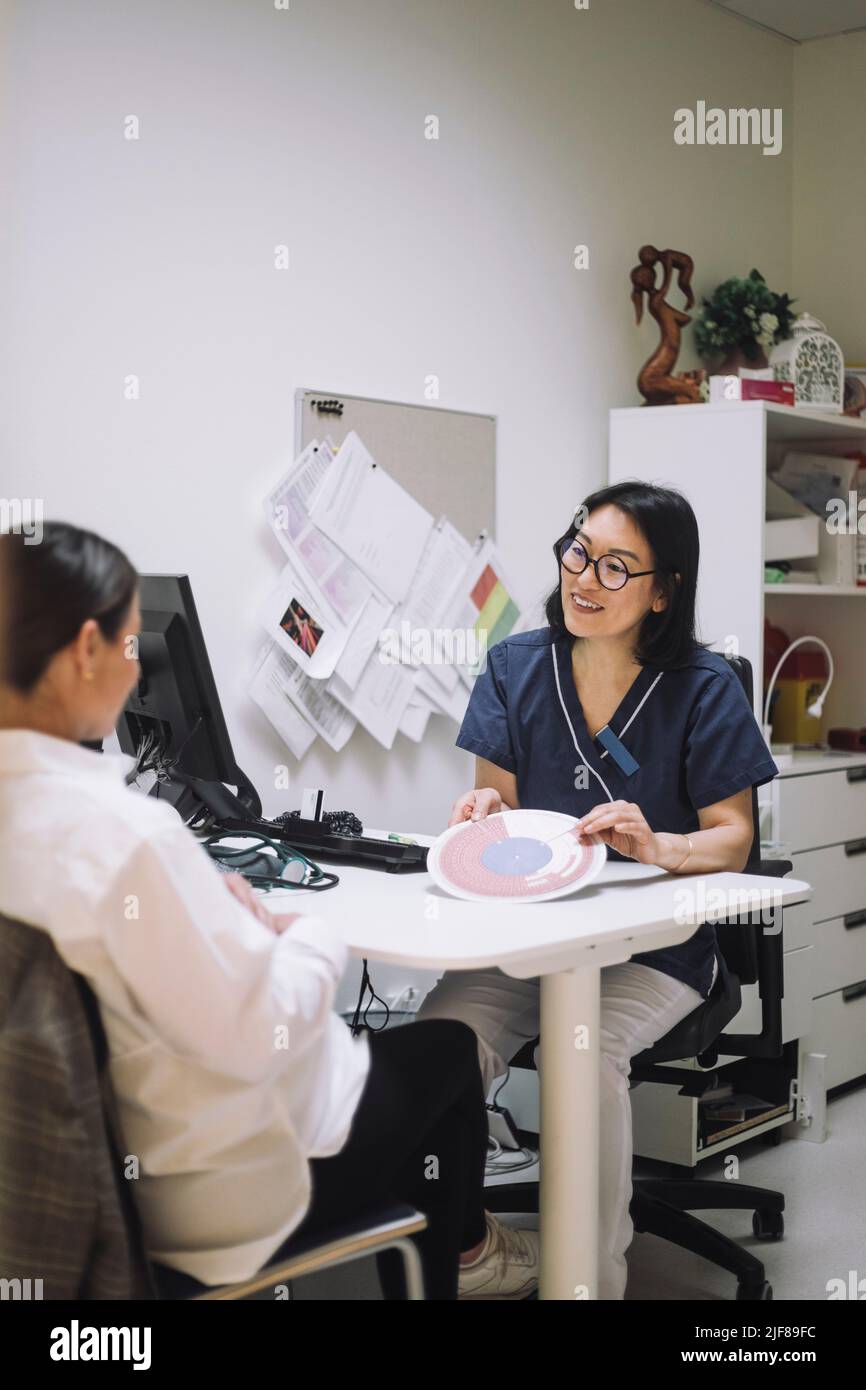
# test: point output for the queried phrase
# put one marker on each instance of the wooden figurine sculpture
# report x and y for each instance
(655, 382)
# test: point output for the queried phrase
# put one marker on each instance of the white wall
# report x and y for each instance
(829, 199)
(408, 257)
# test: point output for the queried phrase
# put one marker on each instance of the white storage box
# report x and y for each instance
(790, 528)
(791, 539)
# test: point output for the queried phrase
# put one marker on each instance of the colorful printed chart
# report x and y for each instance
(497, 611)
(519, 856)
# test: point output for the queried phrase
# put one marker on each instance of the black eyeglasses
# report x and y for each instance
(610, 571)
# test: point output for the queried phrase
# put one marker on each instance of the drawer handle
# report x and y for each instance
(852, 992)
(855, 847)
(856, 774)
(855, 919)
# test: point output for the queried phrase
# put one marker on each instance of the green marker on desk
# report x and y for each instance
(404, 839)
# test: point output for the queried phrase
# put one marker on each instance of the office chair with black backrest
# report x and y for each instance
(661, 1206)
(67, 1214)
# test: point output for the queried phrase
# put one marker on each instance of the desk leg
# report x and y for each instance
(569, 1133)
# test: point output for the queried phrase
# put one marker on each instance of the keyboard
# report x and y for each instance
(314, 840)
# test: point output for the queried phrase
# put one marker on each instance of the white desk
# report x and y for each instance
(405, 919)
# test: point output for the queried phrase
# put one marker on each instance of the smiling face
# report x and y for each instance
(591, 610)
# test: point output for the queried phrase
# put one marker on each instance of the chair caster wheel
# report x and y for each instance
(755, 1293)
(768, 1224)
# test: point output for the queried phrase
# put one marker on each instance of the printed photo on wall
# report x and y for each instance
(297, 623)
(304, 624)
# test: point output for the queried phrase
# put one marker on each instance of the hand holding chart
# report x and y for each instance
(520, 856)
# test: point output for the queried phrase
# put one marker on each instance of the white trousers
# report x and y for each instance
(639, 1005)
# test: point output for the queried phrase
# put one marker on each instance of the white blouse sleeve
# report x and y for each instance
(215, 983)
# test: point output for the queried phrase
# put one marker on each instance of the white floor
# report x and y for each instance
(825, 1225)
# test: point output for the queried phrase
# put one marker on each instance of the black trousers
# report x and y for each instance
(419, 1135)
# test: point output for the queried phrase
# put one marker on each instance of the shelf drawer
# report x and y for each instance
(840, 955)
(796, 1004)
(664, 1124)
(797, 925)
(837, 876)
(821, 808)
(839, 1029)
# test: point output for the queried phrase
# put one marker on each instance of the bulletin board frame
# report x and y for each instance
(446, 459)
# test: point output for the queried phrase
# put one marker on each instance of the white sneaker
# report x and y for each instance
(507, 1266)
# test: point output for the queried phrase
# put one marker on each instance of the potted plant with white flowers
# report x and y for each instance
(741, 323)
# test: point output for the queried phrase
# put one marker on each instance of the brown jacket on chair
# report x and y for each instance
(67, 1216)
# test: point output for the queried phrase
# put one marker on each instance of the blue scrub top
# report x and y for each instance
(691, 730)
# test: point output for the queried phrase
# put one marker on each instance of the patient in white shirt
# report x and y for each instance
(242, 1142)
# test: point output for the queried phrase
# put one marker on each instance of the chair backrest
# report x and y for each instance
(743, 671)
(738, 941)
(66, 1214)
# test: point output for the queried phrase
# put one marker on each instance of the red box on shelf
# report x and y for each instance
(780, 392)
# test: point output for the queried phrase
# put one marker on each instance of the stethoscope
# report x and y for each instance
(296, 871)
(610, 741)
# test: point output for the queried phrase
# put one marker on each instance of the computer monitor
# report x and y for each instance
(173, 721)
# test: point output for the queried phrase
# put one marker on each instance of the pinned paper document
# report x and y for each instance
(326, 571)
(379, 699)
(363, 641)
(451, 702)
(269, 687)
(373, 520)
(414, 721)
(299, 708)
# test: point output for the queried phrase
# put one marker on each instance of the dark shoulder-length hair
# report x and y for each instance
(668, 524)
(50, 589)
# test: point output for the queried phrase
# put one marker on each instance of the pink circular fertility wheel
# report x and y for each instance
(520, 856)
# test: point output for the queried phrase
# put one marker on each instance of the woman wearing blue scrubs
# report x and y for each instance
(615, 713)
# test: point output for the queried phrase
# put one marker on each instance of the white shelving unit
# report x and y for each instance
(719, 456)
(815, 590)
